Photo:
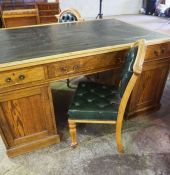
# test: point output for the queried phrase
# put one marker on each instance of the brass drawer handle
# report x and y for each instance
(163, 50)
(76, 67)
(63, 69)
(156, 53)
(8, 79)
(119, 60)
(21, 77)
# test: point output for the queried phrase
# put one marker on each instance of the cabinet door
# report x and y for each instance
(26, 116)
(148, 89)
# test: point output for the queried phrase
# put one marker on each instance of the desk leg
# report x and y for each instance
(27, 120)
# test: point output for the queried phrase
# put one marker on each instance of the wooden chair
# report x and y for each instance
(69, 15)
(103, 104)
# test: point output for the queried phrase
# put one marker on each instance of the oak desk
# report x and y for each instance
(31, 58)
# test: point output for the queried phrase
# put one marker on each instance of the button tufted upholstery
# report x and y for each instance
(94, 101)
(127, 69)
(67, 17)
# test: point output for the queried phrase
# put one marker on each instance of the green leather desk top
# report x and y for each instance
(34, 42)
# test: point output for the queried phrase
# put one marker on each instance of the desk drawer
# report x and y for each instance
(74, 66)
(158, 51)
(21, 76)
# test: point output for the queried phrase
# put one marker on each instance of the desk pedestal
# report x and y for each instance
(148, 90)
(27, 120)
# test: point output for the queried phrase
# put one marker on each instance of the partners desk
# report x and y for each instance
(33, 57)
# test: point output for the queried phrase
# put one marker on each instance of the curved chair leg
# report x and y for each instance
(72, 130)
(118, 137)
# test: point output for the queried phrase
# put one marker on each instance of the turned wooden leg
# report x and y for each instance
(72, 130)
(119, 138)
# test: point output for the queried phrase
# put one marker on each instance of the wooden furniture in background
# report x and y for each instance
(47, 11)
(22, 17)
(38, 57)
(102, 104)
(23, 14)
(11, 5)
(1, 24)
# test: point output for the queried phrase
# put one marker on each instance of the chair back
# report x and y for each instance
(133, 63)
(132, 69)
(69, 15)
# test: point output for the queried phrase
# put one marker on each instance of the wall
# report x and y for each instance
(167, 2)
(90, 8)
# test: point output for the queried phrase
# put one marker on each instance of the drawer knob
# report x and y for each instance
(21, 77)
(156, 53)
(119, 60)
(8, 79)
(76, 67)
(63, 69)
(162, 50)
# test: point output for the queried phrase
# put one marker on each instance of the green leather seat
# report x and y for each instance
(93, 101)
